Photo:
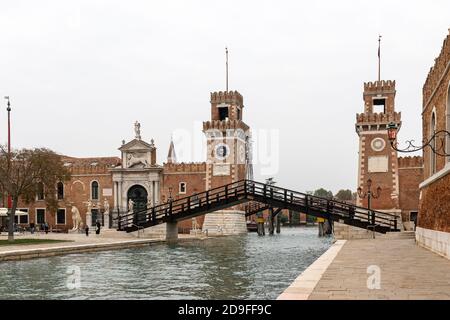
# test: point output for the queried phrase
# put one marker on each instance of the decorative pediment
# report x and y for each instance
(137, 145)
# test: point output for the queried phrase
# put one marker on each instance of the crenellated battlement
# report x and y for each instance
(184, 167)
(410, 162)
(228, 97)
(379, 86)
(222, 125)
(436, 72)
(90, 165)
(378, 117)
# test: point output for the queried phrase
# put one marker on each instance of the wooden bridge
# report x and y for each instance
(264, 196)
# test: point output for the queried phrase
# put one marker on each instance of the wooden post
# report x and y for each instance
(271, 227)
(279, 222)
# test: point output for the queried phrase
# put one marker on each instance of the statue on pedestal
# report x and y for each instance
(76, 219)
(130, 206)
(89, 213)
(137, 130)
(106, 213)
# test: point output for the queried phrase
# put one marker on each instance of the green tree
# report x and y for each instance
(344, 195)
(23, 172)
(323, 193)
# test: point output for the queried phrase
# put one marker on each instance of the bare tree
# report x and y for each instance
(23, 172)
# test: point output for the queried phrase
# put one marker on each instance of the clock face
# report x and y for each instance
(222, 151)
(378, 144)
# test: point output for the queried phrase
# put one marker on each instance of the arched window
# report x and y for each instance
(433, 143)
(448, 121)
(60, 190)
(94, 190)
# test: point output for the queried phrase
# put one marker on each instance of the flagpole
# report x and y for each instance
(379, 57)
(226, 53)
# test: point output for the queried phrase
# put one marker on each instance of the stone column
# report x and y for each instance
(116, 195)
(171, 232)
(157, 199)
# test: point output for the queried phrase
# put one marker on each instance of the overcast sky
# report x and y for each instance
(79, 73)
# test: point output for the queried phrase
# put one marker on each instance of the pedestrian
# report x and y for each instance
(32, 227)
(46, 227)
(87, 230)
(97, 225)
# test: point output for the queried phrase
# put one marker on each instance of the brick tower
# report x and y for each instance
(377, 160)
(226, 136)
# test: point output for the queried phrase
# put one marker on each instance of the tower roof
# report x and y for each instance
(171, 156)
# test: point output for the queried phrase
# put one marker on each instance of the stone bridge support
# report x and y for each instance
(171, 232)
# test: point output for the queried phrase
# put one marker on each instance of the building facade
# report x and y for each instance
(102, 188)
(433, 230)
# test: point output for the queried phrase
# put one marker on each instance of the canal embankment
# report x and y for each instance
(77, 243)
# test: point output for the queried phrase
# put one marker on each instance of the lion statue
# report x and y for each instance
(76, 219)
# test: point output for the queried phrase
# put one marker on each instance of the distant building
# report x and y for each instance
(433, 229)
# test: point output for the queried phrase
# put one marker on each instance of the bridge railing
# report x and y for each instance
(250, 190)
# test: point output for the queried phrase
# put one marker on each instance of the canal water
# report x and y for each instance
(235, 267)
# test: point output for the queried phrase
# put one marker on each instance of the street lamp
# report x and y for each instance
(8, 108)
(436, 148)
(369, 194)
(170, 194)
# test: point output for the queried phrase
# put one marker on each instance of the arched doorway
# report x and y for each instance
(138, 195)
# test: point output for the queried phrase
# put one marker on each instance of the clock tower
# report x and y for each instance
(227, 138)
(377, 160)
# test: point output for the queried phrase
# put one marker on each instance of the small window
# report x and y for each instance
(223, 113)
(61, 216)
(60, 188)
(379, 105)
(40, 216)
(94, 190)
(40, 191)
(182, 187)
(239, 114)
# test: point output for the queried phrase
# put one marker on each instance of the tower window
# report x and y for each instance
(239, 114)
(379, 105)
(223, 113)
(182, 188)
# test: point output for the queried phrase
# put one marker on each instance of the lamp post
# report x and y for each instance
(8, 108)
(170, 199)
(437, 148)
(369, 194)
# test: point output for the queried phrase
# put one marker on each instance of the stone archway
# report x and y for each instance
(138, 194)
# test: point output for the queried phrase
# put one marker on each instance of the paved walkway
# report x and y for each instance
(407, 271)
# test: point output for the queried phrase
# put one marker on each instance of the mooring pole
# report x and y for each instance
(271, 226)
(279, 222)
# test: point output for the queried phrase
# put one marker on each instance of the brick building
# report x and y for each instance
(398, 178)
(433, 229)
(114, 184)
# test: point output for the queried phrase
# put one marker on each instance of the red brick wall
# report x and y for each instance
(77, 190)
(434, 207)
(193, 174)
(410, 176)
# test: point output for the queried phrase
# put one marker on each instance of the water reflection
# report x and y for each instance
(240, 267)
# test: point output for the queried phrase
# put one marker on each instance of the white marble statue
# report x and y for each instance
(130, 205)
(194, 224)
(106, 214)
(89, 213)
(137, 130)
(76, 219)
(106, 206)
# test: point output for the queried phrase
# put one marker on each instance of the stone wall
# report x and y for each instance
(410, 172)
